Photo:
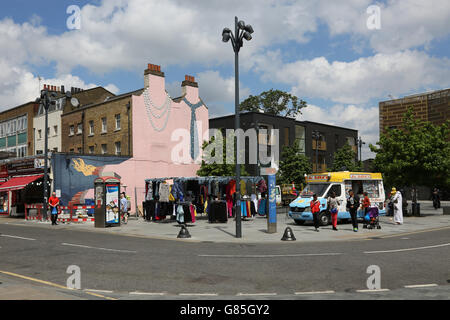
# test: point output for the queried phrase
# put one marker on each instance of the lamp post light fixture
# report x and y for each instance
(46, 100)
(241, 31)
(316, 136)
(360, 143)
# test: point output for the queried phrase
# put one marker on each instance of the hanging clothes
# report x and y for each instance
(243, 187)
(262, 186)
(180, 214)
(149, 192)
(164, 191)
(192, 211)
(255, 201)
(262, 207)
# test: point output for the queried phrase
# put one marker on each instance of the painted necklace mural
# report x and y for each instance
(194, 131)
(165, 107)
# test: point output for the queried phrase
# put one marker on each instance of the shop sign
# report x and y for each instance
(317, 178)
(24, 166)
(360, 176)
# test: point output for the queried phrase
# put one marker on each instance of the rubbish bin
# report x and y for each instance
(416, 209)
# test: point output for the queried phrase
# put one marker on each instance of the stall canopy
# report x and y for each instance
(18, 183)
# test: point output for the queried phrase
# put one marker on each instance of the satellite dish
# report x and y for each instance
(75, 102)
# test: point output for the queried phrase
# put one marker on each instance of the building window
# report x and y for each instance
(286, 136)
(117, 121)
(55, 149)
(39, 152)
(80, 128)
(91, 128)
(104, 149)
(39, 134)
(55, 130)
(300, 137)
(104, 125)
(118, 148)
(91, 149)
(71, 130)
(79, 150)
(21, 151)
(72, 150)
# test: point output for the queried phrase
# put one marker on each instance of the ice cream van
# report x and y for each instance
(324, 184)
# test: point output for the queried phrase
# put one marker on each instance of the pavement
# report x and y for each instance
(254, 230)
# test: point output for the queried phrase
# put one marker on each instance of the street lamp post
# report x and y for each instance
(316, 136)
(360, 143)
(241, 31)
(47, 99)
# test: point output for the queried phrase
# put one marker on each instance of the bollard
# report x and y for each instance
(288, 235)
(184, 233)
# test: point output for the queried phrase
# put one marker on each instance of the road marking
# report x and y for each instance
(104, 249)
(99, 291)
(373, 290)
(16, 237)
(199, 294)
(50, 283)
(315, 292)
(409, 249)
(422, 285)
(148, 293)
(268, 255)
(256, 294)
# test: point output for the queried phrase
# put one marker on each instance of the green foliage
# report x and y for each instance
(217, 169)
(293, 166)
(418, 154)
(275, 102)
(345, 157)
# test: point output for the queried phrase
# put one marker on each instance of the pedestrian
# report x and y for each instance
(398, 202)
(352, 206)
(54, 203)
(315, 210)
(366, 203)
(436, 199)
(333, 205)
(124, 207)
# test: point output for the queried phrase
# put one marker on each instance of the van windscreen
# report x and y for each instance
(314, 188)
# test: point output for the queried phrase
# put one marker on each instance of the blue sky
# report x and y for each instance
(321, 51)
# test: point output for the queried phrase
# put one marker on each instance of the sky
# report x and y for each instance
(341, 57)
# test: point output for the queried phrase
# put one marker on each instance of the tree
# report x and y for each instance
(345, 157)
(275, 102)
(417, 154)
(209, 167)
(293, 165)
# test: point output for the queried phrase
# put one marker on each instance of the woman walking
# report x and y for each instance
(333, 205)
(315, 210)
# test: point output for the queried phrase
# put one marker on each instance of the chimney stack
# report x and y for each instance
(62, 89)
(189, 88)
(152, 70)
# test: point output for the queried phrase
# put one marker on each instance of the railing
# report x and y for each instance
(62, 210)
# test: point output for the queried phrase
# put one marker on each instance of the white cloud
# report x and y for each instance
(361, 80)
(362, 118)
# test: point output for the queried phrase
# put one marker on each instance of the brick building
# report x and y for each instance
(80, 98)
(431, 106)
(102, 128)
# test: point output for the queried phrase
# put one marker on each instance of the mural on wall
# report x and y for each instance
(75, 175)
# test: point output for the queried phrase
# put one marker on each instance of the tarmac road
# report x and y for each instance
(416, 265)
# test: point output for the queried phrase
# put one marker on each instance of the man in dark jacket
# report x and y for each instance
(352, 207)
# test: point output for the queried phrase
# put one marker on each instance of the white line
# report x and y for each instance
(149, 293)
(198, 294)
(98, 291)
(315, 292)
(373, 290)
(256, 294)
(88, 247)
(422, 285)
(15, 237)
(269, 255)
(410, 249)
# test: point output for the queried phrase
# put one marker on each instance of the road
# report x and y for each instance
(119, 267)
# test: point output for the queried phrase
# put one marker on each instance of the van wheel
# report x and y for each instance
(324, 219)
(300, 222)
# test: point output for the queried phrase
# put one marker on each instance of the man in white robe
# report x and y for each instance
(398, 210)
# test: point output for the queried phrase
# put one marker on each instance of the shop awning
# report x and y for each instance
(18, 183)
